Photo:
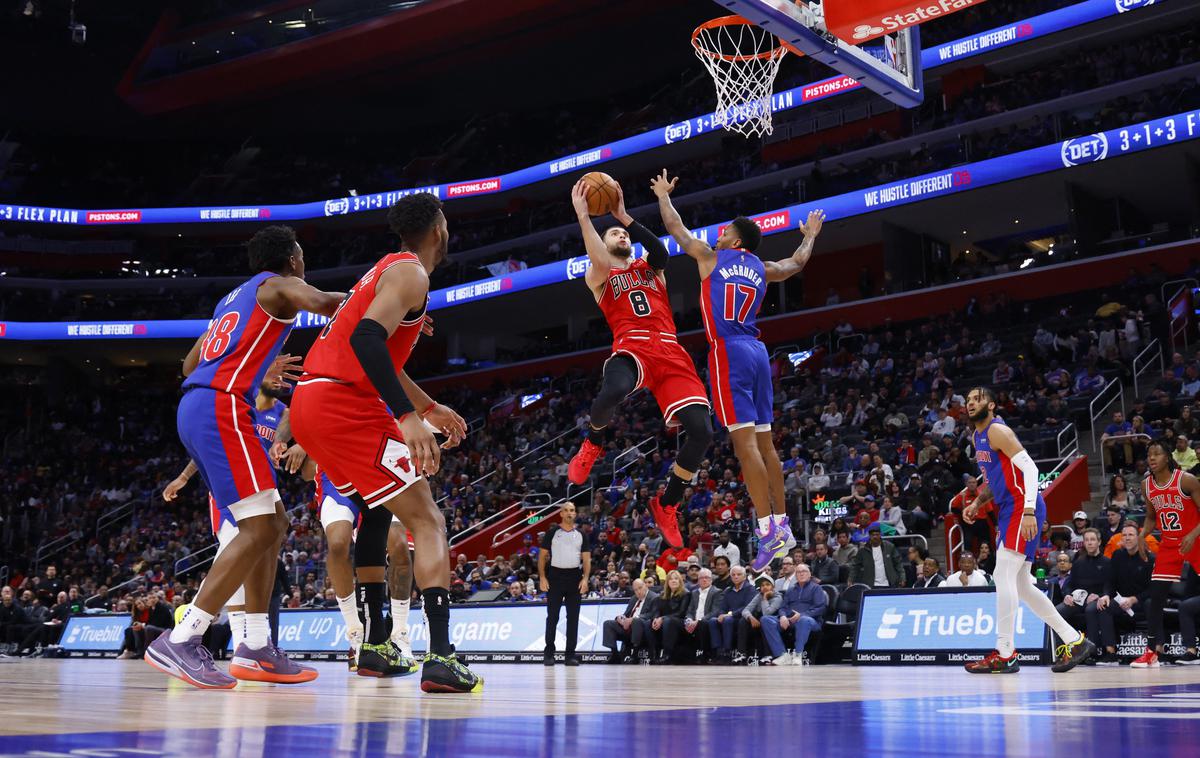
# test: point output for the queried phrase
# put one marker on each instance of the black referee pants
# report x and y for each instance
(564, 590)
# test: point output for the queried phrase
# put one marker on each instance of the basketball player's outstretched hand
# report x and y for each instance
(427, 326)
(969, 513)
(285, 368)
(579, 198)
(661, 186)
(278, 448)
(812, 227)
(422, 445)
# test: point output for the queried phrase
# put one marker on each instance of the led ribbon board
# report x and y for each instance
(1092, 148)
(967, 47)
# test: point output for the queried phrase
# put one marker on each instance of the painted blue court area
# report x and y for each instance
(1110, 721)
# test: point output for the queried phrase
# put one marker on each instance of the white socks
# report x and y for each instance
(400, 620)
(764, 526)
(258, 631)
(1009, 566)
(1045, 610)
(349, 609)
(237, 626)
(194, 622)
(1015, 584)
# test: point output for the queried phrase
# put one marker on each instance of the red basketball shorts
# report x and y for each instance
(665, 369)
(1168, 564)
(354, 440)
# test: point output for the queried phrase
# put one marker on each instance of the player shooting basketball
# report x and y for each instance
(632, 293)
(733, 286)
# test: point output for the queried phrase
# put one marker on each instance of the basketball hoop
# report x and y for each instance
(743, 59)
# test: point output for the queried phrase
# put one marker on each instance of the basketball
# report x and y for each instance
(601, 193)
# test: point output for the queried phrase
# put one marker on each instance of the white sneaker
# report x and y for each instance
(784, 660)
(799, 659)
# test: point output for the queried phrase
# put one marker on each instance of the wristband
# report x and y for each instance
(429, 410)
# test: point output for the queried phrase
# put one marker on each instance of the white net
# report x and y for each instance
(743, 60)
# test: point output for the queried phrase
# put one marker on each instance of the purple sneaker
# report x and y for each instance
(770, 546)
(268, 664)
(189, 661)
(785, 531)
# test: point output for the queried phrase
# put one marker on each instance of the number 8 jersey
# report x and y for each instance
(241, 343)
(634, 301)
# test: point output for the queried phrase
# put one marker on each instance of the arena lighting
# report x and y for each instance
(1014, 33)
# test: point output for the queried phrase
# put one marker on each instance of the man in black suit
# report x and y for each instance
(633, 626)
(704, 603)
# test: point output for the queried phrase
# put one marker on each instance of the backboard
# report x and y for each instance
(889, 64)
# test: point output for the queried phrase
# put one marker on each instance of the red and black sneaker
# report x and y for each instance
(581, 464)
(666, 518)
(992, 663)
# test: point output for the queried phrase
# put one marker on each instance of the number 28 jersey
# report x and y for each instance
(240, 344)
(634, 300)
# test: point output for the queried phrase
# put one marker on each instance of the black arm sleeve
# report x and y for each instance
(656, 252)
(369, 342)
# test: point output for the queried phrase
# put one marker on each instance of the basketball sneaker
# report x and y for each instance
(268, 664)
(785, 529)
(993, 663)
(401, 641)
(666, 518)
(1147, 660)
(581, 464)
(1070, 655)
(448, 674)
(188, 661)
(771, 545)
(1189, 658)
(384, 660)
(355, 638)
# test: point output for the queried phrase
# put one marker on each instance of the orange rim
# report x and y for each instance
(716, 23)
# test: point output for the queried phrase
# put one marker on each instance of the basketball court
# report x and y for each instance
(119, 707)
(109, 707)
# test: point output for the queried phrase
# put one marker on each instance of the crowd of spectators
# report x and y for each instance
(870, 434)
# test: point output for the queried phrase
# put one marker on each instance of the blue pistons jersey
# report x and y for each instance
(739, 368)
(732, 296)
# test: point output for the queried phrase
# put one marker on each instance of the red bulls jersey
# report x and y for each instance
(1176, 512)
(331, 356)
(635, 300)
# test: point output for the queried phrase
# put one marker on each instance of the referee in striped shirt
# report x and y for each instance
(565, 580)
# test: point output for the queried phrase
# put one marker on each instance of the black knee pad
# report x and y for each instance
(620, 377)
(696, 421)
(370, 548)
